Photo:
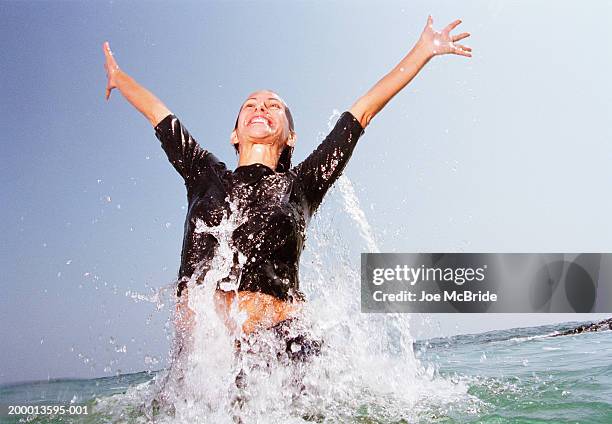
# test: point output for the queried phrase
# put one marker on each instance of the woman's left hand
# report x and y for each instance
(442, 42)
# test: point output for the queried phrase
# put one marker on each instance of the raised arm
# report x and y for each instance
(431, 43)
(191, 161)
(142, 99)
(317, 173)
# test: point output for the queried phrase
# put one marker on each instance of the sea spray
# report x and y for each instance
(366, 367)
(502, 386)
(354, 210)
(198, 383)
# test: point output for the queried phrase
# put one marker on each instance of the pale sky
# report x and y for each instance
(506, 152)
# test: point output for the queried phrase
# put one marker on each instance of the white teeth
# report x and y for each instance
(259, 120)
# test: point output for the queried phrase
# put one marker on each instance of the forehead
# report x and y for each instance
(264, 95)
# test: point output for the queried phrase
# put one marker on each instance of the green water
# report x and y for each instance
(512, 376)
(516, 376)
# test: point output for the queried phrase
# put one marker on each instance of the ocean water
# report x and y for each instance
(370, 369)
(511, 376)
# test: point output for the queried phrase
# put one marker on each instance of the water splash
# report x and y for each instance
(366, 368)
(352, 207)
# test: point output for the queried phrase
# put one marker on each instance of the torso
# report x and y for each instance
(245, 229)
(267, 222)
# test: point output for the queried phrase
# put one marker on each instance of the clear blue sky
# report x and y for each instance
(506, 152)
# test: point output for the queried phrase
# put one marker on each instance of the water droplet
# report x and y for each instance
(150, 360)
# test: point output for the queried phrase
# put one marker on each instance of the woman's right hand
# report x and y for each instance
(111, 67)
(138, 96)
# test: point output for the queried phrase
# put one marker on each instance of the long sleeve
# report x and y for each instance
(318, 172)
(190, 160)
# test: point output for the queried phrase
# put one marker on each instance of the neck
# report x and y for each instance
(259, 153)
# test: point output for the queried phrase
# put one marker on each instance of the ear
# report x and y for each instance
(234, 138)
(292, 139)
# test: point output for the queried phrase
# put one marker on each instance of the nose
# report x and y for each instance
(261, 106)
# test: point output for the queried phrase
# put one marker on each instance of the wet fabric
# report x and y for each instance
(274, 207)
(287, 343)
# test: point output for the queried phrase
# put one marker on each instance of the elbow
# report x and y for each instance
(363, 114)
(365, 120)
(363, 110)
(157, 114)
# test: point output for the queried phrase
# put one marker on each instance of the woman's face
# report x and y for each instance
(263, 120)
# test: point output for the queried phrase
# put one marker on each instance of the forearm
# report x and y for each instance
(367, 106)
(142, 99)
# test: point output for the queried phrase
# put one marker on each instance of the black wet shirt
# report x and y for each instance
(270, 209)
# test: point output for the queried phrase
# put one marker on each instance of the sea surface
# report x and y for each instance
(521, 375)
(369, 369)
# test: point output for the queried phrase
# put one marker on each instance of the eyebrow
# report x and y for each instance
(269, 98)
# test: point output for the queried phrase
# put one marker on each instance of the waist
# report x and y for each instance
(287, 341)
(262, 310)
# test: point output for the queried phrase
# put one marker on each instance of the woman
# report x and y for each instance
(270, 201)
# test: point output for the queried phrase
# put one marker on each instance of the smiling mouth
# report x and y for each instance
(260, 120)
